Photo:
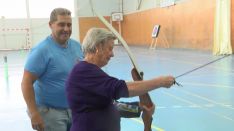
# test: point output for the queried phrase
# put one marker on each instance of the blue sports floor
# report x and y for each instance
(204, 103)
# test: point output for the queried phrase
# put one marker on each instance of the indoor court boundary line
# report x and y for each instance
(181, 99)
(205, 108)
(152, 126)
(197, 64)
(225, 74)
(206, 85)
(204, 98)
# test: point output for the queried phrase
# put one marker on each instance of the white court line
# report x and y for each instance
(206, 85)
(160, 107)
(202, 107)
(228, 105)
(181, 99)
(195, 106)
(181, 106)
(204, 98)
(176, 106)
(209, 105)
(211, 101)
(217, 67)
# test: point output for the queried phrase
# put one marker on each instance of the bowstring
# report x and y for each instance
(178, 84)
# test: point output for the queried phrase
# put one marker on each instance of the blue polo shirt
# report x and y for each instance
(52, 63)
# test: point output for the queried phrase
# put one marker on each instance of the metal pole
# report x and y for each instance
(3, 32)
(75, 23)
(6, 68)
(29, 35)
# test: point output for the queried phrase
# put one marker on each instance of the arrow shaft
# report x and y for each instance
(201, 66)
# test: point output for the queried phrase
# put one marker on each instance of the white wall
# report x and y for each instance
(40, 29)
(131, 6)
(14, 39)
(104, 7)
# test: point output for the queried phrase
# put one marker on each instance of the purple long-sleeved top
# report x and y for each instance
(90, 93)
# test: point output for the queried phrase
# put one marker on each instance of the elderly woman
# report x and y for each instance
(91, 91)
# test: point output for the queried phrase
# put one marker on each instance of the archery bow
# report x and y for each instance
(136, 73)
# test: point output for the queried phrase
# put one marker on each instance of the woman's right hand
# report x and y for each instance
(167, 81)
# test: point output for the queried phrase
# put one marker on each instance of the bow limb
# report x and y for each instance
(136, 74)
(109, 26)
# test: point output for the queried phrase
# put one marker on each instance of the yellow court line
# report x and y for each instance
(152, 126)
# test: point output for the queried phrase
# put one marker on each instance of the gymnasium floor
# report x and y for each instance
(204, 103)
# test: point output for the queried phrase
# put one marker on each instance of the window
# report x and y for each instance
(42, 8)
(165, 3)
(13, 9)
(37, 8)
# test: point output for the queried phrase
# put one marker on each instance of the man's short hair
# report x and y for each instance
(59, 11)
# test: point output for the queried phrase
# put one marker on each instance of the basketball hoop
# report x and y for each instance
(117, 16)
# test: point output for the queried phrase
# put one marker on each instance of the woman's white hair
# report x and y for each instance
(96, 37)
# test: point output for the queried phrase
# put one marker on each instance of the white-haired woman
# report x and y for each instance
(91, 91)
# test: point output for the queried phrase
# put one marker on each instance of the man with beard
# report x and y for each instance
(45, 72)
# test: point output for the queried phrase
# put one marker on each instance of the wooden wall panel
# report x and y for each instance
(85, 23)
(186, 25)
